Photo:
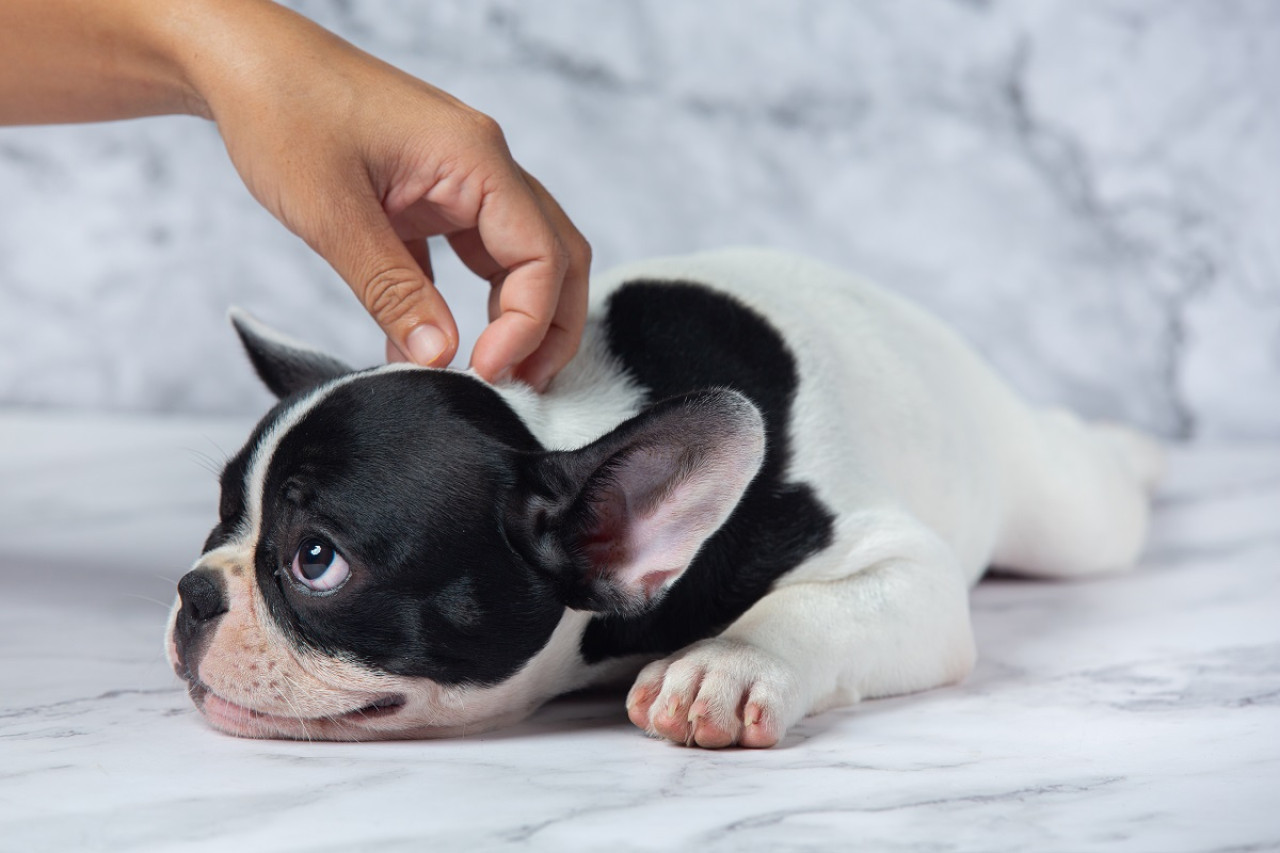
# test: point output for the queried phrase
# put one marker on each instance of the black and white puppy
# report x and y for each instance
(763, 485)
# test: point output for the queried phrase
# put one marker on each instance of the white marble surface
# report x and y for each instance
(1090, 191)
(1135, 713)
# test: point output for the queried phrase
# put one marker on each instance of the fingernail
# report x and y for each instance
(425, 344)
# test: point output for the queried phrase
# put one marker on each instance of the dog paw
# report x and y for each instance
(714, 694)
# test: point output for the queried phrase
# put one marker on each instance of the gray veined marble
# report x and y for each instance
(1138, 712)
(1089, 191)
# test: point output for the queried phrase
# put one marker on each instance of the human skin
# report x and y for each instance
(359, 159)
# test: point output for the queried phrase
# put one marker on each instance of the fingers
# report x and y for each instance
(391, 278)
(422, 255)
(560, 343)
(518, 236)
(420, 252)
(540, 282)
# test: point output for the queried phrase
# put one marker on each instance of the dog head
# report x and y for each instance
(397, 555)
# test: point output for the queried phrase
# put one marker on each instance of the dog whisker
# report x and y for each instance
(205, 461)
(165, 604)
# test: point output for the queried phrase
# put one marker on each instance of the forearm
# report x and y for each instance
(85, 60)
(98, 60)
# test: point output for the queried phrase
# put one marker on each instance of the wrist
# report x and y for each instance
(195, 42)
(158, 37)
(220, 51)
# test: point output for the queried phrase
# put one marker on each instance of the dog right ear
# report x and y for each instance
(284, 365)
(616, 523)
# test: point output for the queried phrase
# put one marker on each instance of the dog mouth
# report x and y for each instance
(237, 719)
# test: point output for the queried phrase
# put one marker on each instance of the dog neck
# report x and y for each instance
(591, 396)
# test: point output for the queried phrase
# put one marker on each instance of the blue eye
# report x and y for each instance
(318, 566)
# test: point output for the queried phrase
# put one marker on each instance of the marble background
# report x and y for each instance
(1091, 192)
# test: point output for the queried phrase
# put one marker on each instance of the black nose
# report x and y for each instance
(203, 596)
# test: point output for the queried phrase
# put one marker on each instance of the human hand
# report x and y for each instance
(364, 162)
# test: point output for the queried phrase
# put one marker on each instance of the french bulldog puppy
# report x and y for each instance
(763, 485)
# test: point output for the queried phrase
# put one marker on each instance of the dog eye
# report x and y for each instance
(319, 567)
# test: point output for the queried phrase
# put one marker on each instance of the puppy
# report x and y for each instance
(765, 486)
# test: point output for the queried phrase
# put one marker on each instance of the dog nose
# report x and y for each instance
(202, 594)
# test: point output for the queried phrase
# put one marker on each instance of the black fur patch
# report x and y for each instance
(674, 338)
(405, 473)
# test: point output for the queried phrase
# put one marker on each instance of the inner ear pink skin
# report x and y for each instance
(661, 503)
(660, 544)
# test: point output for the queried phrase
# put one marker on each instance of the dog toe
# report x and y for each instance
(712, 729)
(760, 727)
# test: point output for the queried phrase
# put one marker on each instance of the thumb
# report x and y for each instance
(392, 279)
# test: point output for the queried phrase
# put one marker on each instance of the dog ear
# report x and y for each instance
(617, 522)
(284, 365)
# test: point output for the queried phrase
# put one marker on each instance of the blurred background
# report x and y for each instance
(1089, 192)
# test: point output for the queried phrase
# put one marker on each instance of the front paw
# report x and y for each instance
(716, 693)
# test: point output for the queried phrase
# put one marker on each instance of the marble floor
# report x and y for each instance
(1134, 713)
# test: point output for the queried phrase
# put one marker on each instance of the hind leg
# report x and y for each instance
(1078, 498)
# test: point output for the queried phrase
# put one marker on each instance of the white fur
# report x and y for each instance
(590, 397)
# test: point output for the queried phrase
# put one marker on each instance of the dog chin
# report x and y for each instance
(365, 722)
(383, 718)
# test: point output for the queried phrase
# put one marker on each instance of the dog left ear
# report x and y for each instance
(284, 365)
(617, 522)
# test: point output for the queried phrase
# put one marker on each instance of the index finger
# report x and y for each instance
(562, 338)
(519, 235)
